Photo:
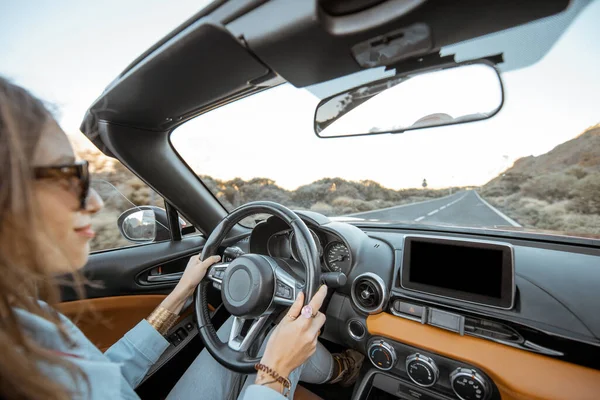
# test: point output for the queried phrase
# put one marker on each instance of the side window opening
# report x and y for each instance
(126, 198)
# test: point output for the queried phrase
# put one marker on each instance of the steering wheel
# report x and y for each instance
(254, 288)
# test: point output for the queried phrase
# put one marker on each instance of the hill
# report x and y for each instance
(559, 190)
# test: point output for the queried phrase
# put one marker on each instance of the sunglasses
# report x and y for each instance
(77, 175)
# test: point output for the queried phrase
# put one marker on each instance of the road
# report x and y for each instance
(464, 208)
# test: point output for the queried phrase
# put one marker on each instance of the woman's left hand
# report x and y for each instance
(193, 274)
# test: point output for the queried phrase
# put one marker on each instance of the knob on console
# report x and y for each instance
(422, 370)
(382, 355)
(468, 384)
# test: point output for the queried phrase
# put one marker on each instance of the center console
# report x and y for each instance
(404, 372)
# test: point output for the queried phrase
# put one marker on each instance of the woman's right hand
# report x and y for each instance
(294, 340)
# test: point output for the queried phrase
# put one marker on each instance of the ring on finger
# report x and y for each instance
(307, 312)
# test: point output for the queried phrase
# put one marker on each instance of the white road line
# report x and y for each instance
(440, 209)
(507, 219)
(358, 214)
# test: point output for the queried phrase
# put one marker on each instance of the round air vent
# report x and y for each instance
(369, 293)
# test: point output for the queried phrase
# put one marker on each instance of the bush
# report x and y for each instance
(505, 184)
(586, 195)
(552, 187)
(577, 172)
(322, 208)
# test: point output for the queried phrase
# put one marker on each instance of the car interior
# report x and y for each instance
(412, 298)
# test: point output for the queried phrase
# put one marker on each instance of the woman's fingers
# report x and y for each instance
(317, 322)
(210, 260)
(295, 309)
(317, 300)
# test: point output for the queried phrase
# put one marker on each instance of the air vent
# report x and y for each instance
(492, 330)
(369, 293)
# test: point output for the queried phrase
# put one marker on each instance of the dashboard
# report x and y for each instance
(333, 252)
(337, 243)
(466, 316)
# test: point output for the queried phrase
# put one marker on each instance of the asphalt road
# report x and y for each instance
(464, 208)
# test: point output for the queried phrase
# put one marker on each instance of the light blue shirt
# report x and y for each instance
(115, 373)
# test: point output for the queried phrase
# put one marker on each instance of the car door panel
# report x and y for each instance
(116, 272)
(104, 320)
(118, 294)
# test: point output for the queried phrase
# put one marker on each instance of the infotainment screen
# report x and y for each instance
(478, 272)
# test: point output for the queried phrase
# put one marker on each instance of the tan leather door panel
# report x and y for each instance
(105, 320)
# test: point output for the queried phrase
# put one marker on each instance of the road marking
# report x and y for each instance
(507, 219)
(440, 209)
(359, 214)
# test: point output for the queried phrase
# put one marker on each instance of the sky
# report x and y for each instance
(68, 54)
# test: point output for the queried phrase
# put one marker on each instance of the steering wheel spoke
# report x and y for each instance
(240, 341)
(216, 273)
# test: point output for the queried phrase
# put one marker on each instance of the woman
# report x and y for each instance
(46, 208)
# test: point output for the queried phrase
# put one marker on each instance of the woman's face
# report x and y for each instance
(67, 228)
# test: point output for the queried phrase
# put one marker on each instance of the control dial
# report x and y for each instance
(468, 384)
(422, 370)
(382, 355)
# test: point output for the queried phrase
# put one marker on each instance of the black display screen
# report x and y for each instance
(460, 268)
(473, 271)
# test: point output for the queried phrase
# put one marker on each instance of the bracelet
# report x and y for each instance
(162, 319)
(285, 382)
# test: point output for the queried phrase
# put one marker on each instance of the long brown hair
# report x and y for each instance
(23, 278)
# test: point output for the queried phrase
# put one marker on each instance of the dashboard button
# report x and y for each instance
(422, 370)
(382, 355)
(469, 384)
(411, 309)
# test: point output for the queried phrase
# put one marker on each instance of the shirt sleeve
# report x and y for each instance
(256, 392)
(137, 351)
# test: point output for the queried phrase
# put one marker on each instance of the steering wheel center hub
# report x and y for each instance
(248, 286)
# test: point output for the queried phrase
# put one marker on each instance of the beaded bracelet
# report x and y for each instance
(285, 382)
(162, 319)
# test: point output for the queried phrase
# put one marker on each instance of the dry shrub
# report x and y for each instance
(551, 187)
(586, 195)
(557, 217)
(322, 208)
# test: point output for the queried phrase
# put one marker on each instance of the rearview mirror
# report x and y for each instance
(423, 99)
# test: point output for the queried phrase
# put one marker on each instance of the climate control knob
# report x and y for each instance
(469, 384)
(422, 370)
(382, 355)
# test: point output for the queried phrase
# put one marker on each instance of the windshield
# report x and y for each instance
(535, 165)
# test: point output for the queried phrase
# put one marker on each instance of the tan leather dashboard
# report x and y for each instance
(518, 374)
